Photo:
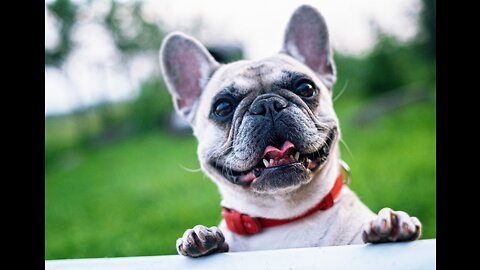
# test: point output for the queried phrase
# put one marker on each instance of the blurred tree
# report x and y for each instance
(130, 32)
(65, 12)
(226, 53)
(133, 36)
(428, 27)
(152, 106)
(383, 69)
(393, 64)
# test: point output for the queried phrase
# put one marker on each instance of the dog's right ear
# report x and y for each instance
(307, 40)
(186, 66)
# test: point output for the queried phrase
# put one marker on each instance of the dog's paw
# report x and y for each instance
(201, 241)
(391, 226)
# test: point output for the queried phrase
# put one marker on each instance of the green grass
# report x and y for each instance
(393, 162)
(131, 198)
(134, 198)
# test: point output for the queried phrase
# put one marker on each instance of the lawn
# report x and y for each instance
(135, 197)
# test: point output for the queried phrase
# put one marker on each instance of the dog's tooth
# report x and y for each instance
(297, 155)
(265, 162)
(291, 157)
(307, 161)
(271, 161)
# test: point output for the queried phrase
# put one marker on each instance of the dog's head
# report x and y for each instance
(264, 126)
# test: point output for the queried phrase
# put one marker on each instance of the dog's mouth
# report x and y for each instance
(280, 159)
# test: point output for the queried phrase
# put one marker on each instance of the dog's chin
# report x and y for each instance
(280, 174)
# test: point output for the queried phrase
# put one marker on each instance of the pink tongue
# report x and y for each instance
(273, 152)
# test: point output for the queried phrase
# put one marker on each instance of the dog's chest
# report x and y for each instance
(339, 225)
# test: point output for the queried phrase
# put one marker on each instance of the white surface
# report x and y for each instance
(411, 255)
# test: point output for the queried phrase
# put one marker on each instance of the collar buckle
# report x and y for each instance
(346, 172)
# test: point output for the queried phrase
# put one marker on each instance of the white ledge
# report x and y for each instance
(408, 255)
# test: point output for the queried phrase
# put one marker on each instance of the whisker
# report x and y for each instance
(341, 91)
(346, 147)
(188, 169)
(229, 169)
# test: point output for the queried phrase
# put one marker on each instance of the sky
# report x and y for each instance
(93, 72)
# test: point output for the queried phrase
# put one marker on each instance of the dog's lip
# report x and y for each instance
(311, 161)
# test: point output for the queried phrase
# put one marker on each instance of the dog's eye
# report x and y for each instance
(223, 107)
(305, 88)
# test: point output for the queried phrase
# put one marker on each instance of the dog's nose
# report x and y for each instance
(269, 105)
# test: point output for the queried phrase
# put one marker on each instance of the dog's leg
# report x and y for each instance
(391, 226)
(201, 241)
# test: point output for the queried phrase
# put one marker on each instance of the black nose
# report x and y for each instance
(268, 105)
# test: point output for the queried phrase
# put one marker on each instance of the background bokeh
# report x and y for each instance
(121, 173)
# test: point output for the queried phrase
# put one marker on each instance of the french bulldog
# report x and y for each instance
(268, 136)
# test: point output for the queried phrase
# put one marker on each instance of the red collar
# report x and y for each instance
(244, 224)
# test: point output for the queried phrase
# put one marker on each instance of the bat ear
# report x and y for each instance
(186, 66)
(306, 39)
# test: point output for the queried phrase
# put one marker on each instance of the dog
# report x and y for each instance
(268, 136)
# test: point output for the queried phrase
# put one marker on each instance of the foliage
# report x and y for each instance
(65, 12)
(428, 28)
(390, 65)
(152, 106)
(135, 35)
(131, 33)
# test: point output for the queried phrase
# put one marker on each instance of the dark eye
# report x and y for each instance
(304, 88)
(223, 108)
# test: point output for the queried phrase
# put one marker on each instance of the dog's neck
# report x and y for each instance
(285, 205)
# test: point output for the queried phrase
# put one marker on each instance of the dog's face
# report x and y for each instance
(264, 126)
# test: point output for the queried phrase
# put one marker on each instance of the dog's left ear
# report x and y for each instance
(187, 66)
(306, 39)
